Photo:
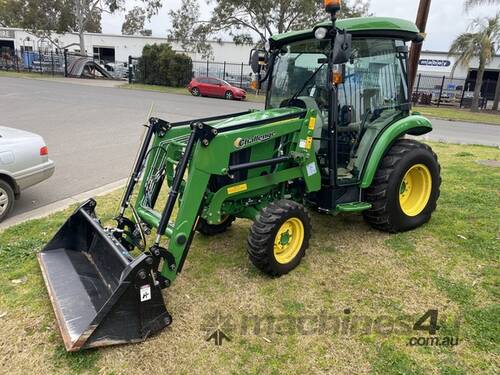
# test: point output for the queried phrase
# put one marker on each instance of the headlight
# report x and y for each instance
(320, 33)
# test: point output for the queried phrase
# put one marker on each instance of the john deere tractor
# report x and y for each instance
(331, 139)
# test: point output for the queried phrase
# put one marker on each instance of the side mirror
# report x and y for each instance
(342, 49)
(258, 58)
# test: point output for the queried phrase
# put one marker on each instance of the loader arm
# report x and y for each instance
(218, 168)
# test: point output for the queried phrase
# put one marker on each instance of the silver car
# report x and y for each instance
(24, 162)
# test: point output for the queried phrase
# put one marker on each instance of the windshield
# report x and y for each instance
(293, 67)
(374, 81)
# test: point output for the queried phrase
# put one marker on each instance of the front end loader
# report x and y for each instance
(331, 139)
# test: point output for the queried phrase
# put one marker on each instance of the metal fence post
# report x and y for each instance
(441, 91)
(207, 66)
(65, 62)
(52, 61)
(40, 60)
(463, 95)
(17, 60)
(129, 69)
(224, 71)
(241, 76)
(418, 83)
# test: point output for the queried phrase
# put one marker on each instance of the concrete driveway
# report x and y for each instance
(93, 132)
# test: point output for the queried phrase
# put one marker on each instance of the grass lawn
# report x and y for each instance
(459, 114)
(348, 308)
(32, 75)
(182, 91)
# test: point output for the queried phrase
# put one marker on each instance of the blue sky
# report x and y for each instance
(447, 18)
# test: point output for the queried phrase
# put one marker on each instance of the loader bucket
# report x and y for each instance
(100, 294)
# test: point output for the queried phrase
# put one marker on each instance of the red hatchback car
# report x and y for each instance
(208, 86)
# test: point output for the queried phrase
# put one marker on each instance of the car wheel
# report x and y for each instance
(6, 199)
(195, 91)
(229, 95)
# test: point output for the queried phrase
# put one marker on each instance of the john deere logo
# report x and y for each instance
(242, 142)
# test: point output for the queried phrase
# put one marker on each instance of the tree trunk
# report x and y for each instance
(497, 95)
(82, 42)
(477, 90)
(80, 23)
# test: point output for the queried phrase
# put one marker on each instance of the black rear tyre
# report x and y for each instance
(405, 189)
(6, 199)
(195, 91)
(279, 237)
(212, 229)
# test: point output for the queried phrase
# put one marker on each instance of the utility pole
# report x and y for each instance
(416, 48)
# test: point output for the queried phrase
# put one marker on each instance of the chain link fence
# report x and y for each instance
(455, 92)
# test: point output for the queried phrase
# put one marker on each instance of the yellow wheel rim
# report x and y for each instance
(288, 240)
(415, 190)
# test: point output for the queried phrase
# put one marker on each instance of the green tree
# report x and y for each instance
(244, 19)
(8, 10)
(161, 65)
(469, 5)
(481, 41)
(134, 21)
(43, 17)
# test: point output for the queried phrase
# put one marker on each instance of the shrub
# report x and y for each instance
(161, 65)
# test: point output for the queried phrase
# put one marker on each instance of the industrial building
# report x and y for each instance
(112, 48)
(117, 48)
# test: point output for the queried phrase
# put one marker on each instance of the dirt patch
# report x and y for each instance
(489, 163)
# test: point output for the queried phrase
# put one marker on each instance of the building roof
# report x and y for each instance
(361, 26)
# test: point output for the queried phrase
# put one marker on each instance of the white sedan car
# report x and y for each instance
(24, 162)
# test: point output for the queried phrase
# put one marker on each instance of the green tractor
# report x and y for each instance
(331, 140)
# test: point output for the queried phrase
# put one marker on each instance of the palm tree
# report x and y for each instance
(469, 4)
(481, 40)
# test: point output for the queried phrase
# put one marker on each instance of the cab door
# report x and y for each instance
(374, 94)
(216, 87)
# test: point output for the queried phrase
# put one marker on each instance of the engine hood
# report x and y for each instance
(261, 115)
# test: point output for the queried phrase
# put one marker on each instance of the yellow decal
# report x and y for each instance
(309, 142)
(237, 189)
(312, 123)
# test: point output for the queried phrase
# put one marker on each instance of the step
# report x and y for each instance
(353, 207)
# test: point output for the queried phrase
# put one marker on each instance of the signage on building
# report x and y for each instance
(434, 62)
(7, 33)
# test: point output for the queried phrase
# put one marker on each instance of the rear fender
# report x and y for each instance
(413, 125)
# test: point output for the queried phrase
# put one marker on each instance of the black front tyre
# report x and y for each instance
(229, 95)
(6, 199)
(405, 189)
(279, 237)
(195, 91)
(212, 229)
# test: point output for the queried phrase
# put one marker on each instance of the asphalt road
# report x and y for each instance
(93, 132)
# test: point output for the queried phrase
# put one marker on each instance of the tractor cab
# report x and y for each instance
(356, 95)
